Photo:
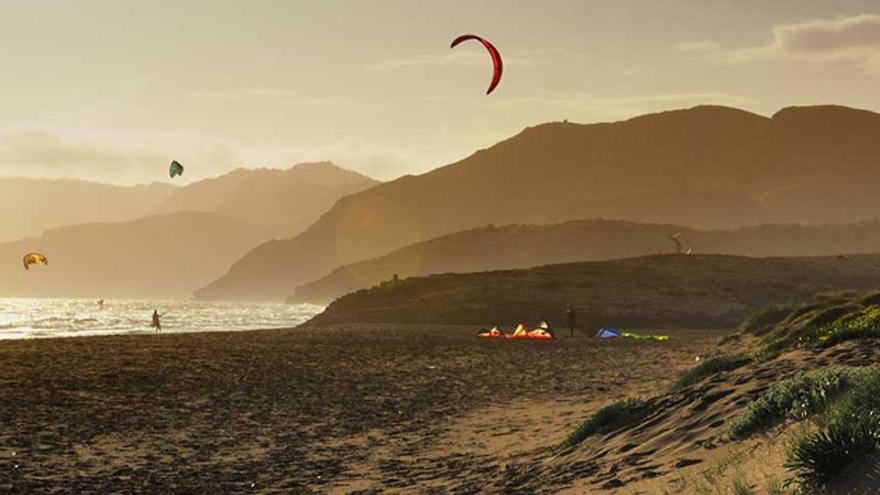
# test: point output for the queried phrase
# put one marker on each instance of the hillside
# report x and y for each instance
(705, 167)
(523, 246)
(284, 201)
(32, 206)
(683, 291)
(164, 256)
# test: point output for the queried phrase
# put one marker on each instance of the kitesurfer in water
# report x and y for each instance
(571, 317)
(100, 304)
(156, 323)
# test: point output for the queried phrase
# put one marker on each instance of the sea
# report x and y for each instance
(43, 318)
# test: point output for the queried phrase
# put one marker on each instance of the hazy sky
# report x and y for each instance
(113, 90)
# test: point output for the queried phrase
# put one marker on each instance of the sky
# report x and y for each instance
(113, 91)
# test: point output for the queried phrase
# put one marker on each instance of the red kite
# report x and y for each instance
(493, 52)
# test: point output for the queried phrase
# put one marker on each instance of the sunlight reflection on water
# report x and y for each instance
(23, 318)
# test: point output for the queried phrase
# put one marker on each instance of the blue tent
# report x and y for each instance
(607, 333)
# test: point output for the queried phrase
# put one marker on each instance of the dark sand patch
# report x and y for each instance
(382, 408)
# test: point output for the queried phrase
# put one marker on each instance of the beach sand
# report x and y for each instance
(355, 408)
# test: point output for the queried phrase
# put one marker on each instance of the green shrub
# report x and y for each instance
(767, 317)
(607, 419)
(853, 432)
(711, 366)
(814, 327)
(810, 310)
(865, 324)
(825, 327)
(799, 397)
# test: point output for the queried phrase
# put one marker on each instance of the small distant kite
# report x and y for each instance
(493, 52)
(34, 259)
(175, 169)
(676, 238)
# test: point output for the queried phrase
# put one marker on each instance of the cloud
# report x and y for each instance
(591, 107)
(288, 96)
(109, 156)
(851, 39)
(630, 102)
(45, 153)
(377, 160)
(673, 98)
(128, 158)
(477, 57)
(698, 46)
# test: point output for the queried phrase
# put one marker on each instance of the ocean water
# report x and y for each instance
(35, 318)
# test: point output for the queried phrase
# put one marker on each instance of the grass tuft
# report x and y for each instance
(822, 323)
(608, 419)
(774, 486)
(798, 397)
(739, 486)
(710, 367)
(853, 432)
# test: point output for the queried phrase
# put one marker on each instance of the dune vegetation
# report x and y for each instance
(798, 384)
(607, 419)
(710, 367)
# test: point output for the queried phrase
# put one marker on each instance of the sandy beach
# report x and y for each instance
(368, 409)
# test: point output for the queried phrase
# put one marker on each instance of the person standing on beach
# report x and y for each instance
(571, 317)
(156, 323)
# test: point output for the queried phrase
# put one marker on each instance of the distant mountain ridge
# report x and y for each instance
(285, 201)
(106, 240)
(704, 167)
(32, 206)
(161, 256)
(525, 246)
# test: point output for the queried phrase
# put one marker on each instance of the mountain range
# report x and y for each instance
(707, 167)
(523, 246)
(284, 201)
(160, 256)
(33, 206)
(158, 240)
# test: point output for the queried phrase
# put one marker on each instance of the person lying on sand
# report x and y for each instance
(546, 327)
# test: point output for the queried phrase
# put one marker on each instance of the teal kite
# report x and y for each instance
(175, 169)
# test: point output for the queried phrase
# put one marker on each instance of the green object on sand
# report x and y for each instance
(644, 336)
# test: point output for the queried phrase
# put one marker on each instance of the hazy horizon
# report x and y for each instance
(108, 92)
